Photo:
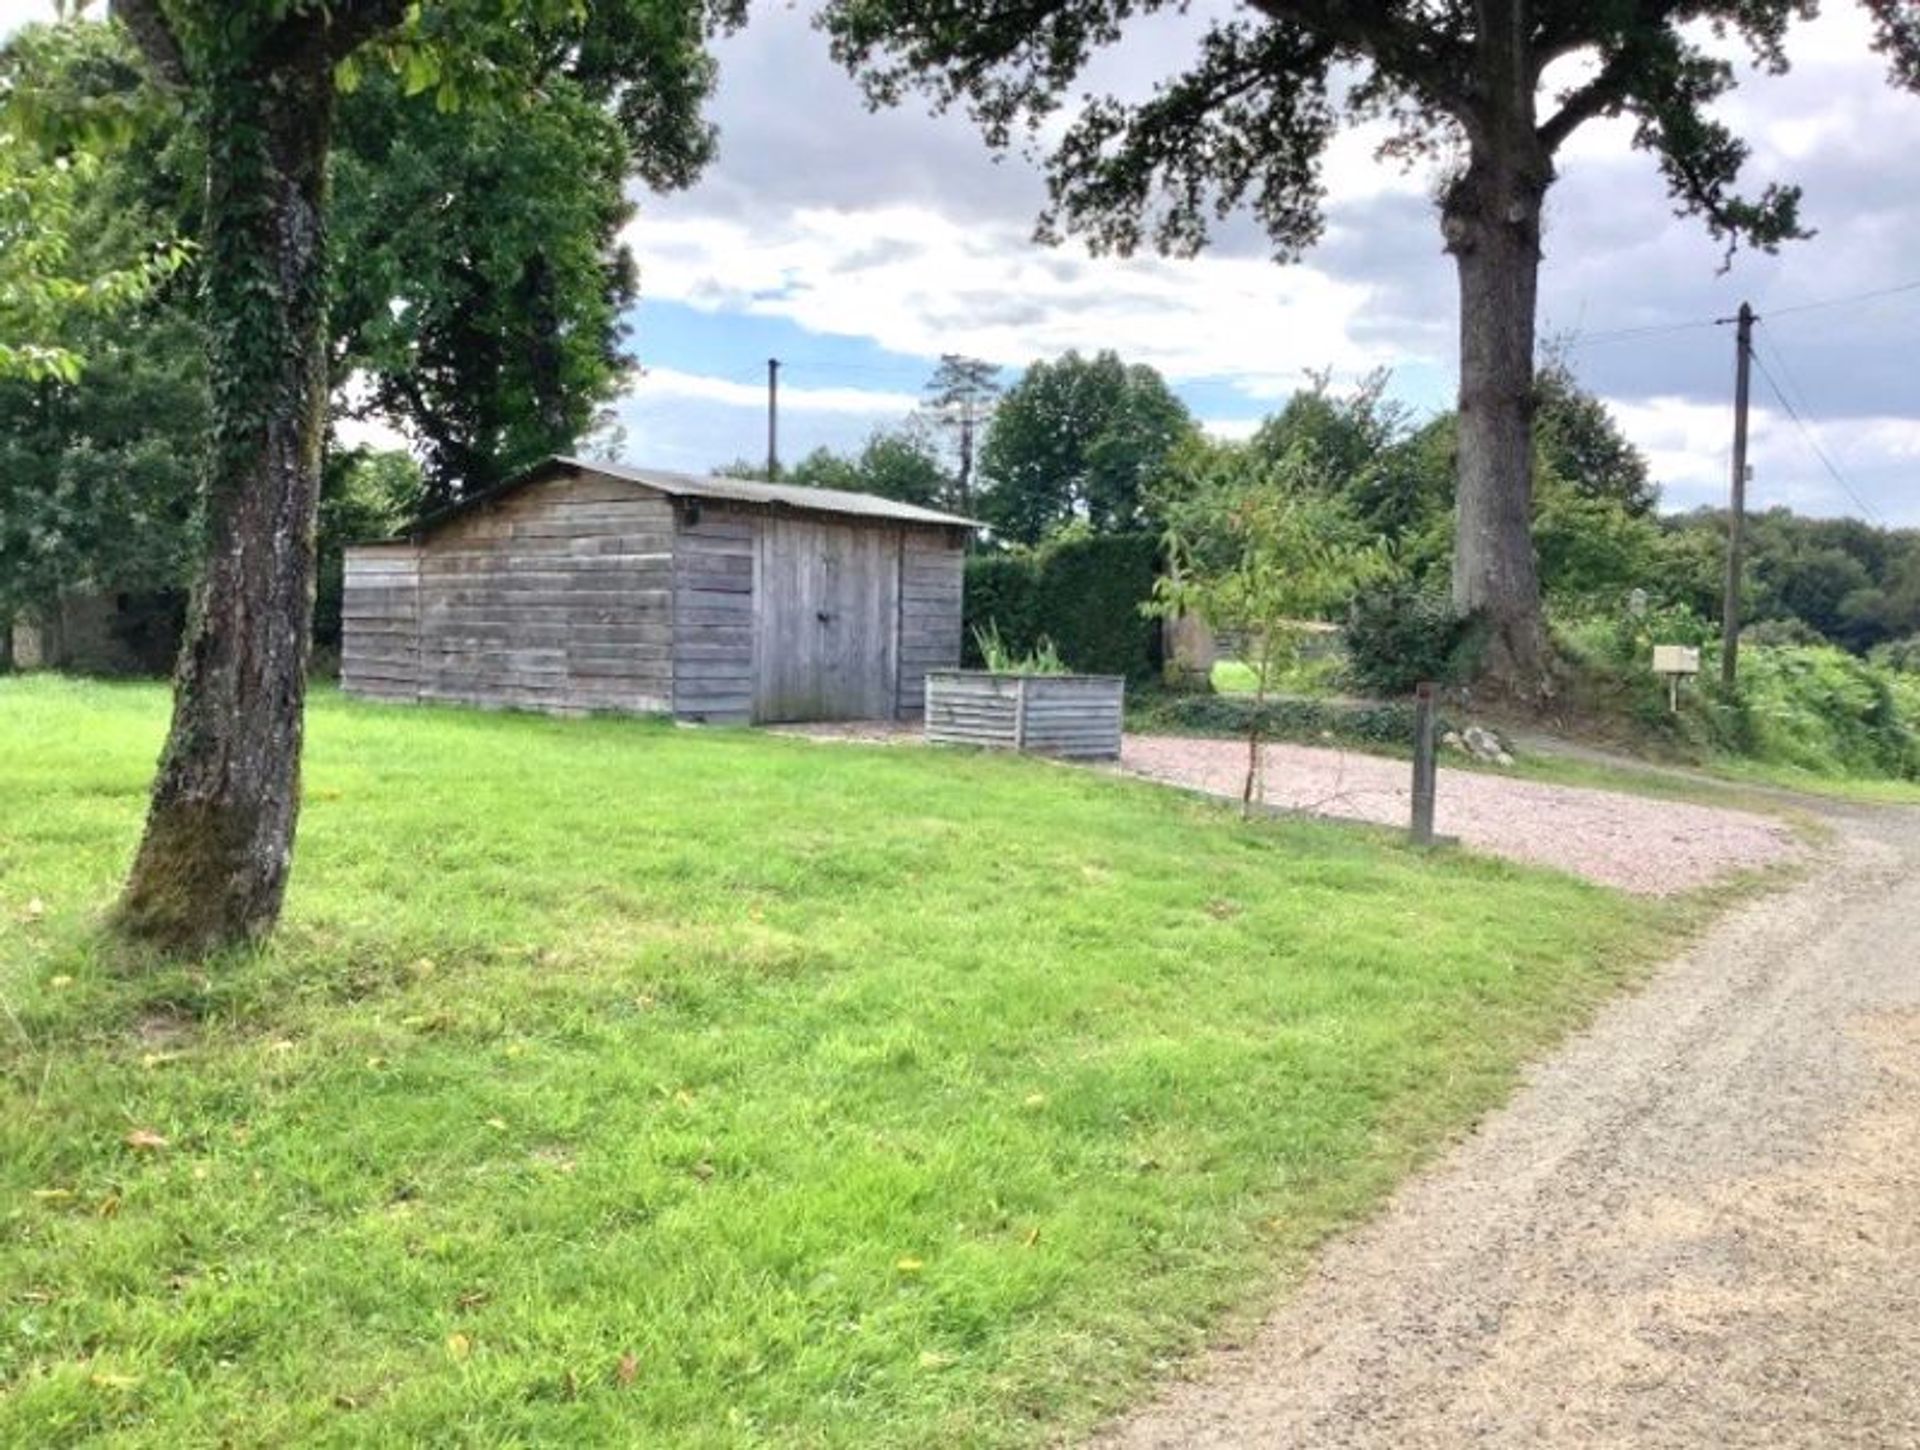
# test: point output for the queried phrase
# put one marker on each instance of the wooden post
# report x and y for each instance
(1424, 769)
(1020, 713)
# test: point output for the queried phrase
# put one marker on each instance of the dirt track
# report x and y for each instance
(1697, 1225)
(1633, 842)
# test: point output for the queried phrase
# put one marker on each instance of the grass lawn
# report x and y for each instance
(611, 1083)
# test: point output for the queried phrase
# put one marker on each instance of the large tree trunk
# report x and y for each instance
(212, 867)
(1491, 220)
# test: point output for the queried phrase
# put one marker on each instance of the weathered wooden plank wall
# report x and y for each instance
(931, 572)
(713, 582)
(380, 622)
(557, 599)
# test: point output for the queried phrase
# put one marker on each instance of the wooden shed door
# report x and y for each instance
(826, 607)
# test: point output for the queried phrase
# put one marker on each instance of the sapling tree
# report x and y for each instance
(1260, 549)
(1464, 82)
(258, 78)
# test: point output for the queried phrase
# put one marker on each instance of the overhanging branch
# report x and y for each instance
(1606, 91)
(1413, 55)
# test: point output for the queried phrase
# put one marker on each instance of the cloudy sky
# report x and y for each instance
(857, 248)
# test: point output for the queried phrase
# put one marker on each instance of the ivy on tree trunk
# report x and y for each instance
(212, 866)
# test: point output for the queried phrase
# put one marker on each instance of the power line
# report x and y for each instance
(1806, 432)
(1847, 301)
(1661, 329)
(1623, 333)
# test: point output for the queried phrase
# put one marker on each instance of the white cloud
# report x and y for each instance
(920, 283)
(1688, 444)
(664, 385)
(1231, 430)
(15, 13)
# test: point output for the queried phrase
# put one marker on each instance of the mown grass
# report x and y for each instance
(611, 1083)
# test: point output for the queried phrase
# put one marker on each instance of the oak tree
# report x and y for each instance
(1273, 81)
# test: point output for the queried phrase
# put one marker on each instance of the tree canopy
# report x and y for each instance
(62, 260)
(1079, 438)
(900, 463)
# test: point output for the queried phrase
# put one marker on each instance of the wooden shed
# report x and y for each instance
(592, 586)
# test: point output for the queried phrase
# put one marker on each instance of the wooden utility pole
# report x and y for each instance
(773, 420)
(1737, 511)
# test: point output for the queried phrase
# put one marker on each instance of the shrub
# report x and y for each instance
(1786, 630)
(1082, 594)
(1400, 633)
(1625, 637)
(1816, 709)
(1902, 656)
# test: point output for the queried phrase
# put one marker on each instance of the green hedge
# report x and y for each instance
(1083, 594)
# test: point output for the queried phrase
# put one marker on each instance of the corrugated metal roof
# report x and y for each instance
(688, 485)
(750, 490)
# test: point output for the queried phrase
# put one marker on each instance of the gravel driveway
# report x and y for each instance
(1698, 1224)
(1634, 842)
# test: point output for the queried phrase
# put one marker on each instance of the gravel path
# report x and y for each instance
(1634, 842)
(1699, 1224)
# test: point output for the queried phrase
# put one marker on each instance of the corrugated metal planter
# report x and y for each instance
(1077, 716)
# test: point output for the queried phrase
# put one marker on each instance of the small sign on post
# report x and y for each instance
(1676, 662)
(1424, 766)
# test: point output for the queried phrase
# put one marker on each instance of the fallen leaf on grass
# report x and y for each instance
(910, 1266)
(152, 1060)
(36, 909)
(499, 1125)
(53, 1195)
(109, 1206)
(930, 1360)
(628, 1370)
(144, 1140)
(116, 1381)
(1036, 1100)
(459, 1346)
(60, 983)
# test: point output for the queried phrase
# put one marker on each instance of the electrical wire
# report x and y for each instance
(1661, 329)
(1843, 301)
(1806, 432)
